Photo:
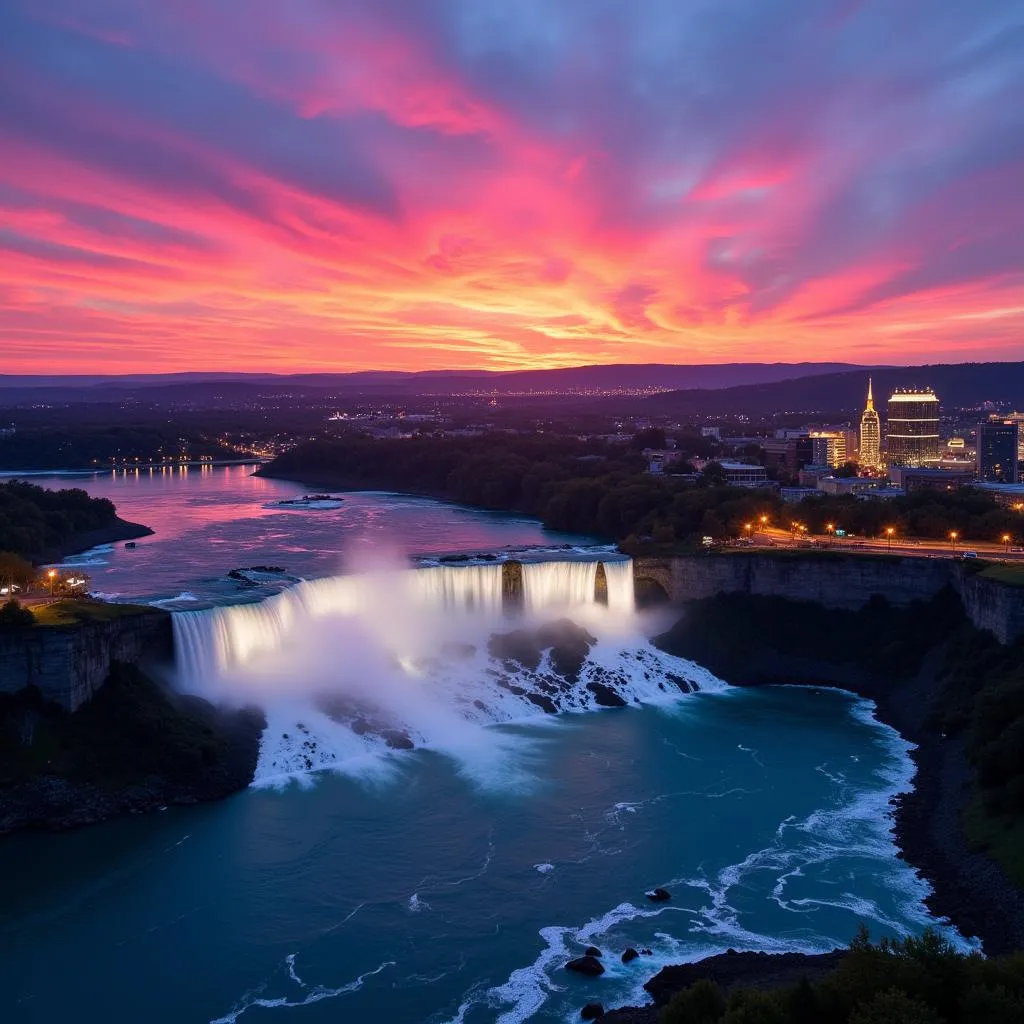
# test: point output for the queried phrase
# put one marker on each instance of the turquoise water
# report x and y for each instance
(447, 884)
(422, 893)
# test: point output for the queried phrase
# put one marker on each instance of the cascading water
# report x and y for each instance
(558, 584)
(621, 588)
(351, 665)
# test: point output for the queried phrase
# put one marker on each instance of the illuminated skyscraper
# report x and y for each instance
(870, 434)
(997, 452)
(912, 428)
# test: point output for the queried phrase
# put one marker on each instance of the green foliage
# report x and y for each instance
(86, 446)
(914, 980)
(129, 730)
(14, 617)
(701, 1003)
(33, 519)
(894, 1007)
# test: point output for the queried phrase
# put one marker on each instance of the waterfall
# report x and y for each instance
(558, 584)
(463, 588)
(350, 666)
(621, 594)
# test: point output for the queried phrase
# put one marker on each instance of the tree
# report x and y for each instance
(652, 437)
(894, 1007)
(712, 475)
(15, 570)
(848, 469)
(701, 1003)
(14, 617)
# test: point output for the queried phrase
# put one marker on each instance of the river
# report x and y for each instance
(451, 882)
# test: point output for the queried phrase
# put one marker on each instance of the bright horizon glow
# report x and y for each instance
(427, 184)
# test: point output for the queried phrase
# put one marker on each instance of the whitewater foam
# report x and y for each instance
(351, 667)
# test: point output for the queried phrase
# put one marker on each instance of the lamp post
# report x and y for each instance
(51, 576)
(952, 539)
(889, 531)
(1006, 543)
(830, 529)
(764, 522)
(747, 527)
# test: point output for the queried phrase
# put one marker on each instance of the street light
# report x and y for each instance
(889, 531)
(830, 528)
(1006, 542)
(51, 575)
(764, 522)
(952, 538)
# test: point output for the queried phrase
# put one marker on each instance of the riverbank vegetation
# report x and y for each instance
(133, 746)
(903, 981)
(603, 489)
(34, 519)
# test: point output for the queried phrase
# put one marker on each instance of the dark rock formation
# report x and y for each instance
(629, 954)
(592, 1011)
(397, 739)
(605, 695)
(658, 895)
(545, 703)
(592, 951)
(728, 970)
(69, 663)
(132, 747)
(588, 965)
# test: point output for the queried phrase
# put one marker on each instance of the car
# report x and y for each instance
(969, 554)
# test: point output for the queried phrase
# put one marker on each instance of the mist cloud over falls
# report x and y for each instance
(350, 667)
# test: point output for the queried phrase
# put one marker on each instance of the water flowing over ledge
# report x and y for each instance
(349, 667)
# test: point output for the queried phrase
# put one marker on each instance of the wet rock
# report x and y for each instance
(605, 696)
(397, 739)
(360, 727)
(592, 951)
(545, 703)
(588, 965)
(682, 683)
(629, 954)
(519, 647)
(592, 1011)
(658, 895)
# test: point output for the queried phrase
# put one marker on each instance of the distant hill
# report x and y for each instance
(17, 389)
(958, 385)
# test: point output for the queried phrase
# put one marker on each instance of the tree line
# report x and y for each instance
(601, 489)
(34, 519)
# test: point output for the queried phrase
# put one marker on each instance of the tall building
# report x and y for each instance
(828, 448)
(870, 434)
(998, 452)
(912, 428)
(1018, 417)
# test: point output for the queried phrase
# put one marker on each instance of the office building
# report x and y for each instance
(828, 448)
(870, 451)
(740, 474)
(996, 461)
(912, 428)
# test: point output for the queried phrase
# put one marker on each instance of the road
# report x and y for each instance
(773, 536)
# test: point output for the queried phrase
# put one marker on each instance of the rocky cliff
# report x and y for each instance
(838, 580)
(69, 663)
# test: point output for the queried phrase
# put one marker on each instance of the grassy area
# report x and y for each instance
(72, 612)
(1013, 575)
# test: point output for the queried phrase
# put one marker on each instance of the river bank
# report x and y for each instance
(118, 531)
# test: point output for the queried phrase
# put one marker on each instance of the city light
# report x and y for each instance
(952, 538)
(1006, 542)
(889, 531)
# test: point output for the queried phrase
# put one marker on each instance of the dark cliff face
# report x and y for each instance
(69, 663)
(837, 580)
(133, 747)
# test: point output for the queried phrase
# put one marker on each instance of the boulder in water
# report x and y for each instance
(520, 647)
(592, 951)
(605, 696)
(629, 954)
(588, 965)
(658, 895)
(397, 739)
(592, 1011)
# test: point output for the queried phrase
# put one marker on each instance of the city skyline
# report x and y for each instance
(444, 184)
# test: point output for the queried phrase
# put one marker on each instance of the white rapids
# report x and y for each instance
(348, 668)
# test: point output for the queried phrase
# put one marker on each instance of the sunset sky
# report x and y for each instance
(330, 184)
